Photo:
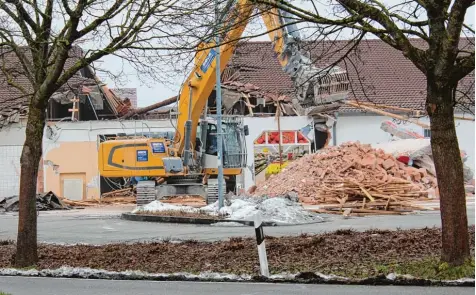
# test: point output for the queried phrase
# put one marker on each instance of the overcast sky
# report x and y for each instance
(149, 92)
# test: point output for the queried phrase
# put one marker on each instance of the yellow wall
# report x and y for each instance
(71, 159)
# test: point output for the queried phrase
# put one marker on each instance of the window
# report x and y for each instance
(427, 133)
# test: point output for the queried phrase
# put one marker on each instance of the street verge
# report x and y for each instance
(373, 257)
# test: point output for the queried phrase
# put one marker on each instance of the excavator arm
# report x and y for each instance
(201, 81)
(314, 86)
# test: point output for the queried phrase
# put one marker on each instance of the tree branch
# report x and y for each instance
(464, 66)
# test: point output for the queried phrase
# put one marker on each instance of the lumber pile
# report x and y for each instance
(117, 197)
(352, 177)
(122, 193)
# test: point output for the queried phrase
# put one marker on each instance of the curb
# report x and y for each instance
(299, 278)
(189, 220)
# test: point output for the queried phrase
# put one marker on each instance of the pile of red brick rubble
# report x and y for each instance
(352, 175)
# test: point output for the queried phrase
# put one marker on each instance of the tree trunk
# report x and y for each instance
(26, 254)
(449, 172)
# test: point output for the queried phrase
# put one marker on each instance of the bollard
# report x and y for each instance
(263, 259)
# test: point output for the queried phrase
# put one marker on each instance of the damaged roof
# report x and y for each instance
(253, 91)
(14, 103)
(378, 73)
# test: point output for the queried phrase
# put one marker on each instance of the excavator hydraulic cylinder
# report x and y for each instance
(187, 152)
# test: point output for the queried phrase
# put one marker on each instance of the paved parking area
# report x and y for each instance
(99, 226)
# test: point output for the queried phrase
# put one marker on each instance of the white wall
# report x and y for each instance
(12, 138)
(366, 129)
(89, 130)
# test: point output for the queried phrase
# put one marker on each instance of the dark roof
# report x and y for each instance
(378, 73)
(13, 102)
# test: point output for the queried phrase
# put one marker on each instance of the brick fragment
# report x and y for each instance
(423, 172)
(387, 164)
(369, 161)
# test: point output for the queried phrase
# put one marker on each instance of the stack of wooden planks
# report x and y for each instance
(352, 177)
(117, 197)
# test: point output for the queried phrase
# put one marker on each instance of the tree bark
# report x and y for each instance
(26, 254)
(449, 172)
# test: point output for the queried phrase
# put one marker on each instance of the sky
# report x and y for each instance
(150, 92)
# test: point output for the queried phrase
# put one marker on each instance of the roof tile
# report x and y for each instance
(378, 73)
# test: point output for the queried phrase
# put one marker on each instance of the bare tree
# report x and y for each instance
(44, 35)
(443, 59)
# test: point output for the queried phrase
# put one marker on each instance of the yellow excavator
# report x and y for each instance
(188, 163)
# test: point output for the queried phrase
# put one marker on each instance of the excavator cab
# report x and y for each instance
(202, 178)
(233, 143)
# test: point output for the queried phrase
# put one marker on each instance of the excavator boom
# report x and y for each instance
(314, 86)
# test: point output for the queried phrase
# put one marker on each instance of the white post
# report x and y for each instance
(263, 259)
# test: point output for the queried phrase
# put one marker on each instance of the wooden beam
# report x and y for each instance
(150, 108)
(248, 104)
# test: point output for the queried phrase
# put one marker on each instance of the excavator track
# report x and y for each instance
(145, 192)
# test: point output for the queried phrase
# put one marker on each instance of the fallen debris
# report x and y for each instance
(418, 151)
(354, 176)
(102, 201)
(121, 193)
(46, 201)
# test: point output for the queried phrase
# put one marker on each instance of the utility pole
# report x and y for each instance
(218, 101)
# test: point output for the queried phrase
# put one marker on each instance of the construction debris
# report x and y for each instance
(103, 201)
(352, 176)
(121, 193)
(47, 201)
(418, 151)
(117, 197)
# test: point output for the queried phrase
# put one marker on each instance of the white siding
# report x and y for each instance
(12, 138)
(89, 130)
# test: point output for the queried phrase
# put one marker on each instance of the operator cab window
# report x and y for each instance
(212, 140)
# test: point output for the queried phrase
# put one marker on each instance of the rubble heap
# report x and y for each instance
(351, 175)
(44, 202)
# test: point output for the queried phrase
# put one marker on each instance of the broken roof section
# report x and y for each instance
(377, 72)
(248, 99)
(95, 101)
(126, 94)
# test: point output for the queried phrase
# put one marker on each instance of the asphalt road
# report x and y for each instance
(73, 227)
(51, 286)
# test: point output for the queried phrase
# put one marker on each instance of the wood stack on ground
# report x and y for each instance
(122, 196)
(352, 178)
(117, 197)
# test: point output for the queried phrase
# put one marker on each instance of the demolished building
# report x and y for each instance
(254, 86)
